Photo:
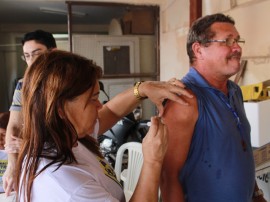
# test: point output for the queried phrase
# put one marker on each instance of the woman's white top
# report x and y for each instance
(91, 179)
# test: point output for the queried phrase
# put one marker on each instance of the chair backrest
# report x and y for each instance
(135, 161)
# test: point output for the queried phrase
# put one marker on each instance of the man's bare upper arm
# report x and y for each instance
(180, 120)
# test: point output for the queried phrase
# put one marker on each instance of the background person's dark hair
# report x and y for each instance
(200, 31)
(42, 37)
(4, 118)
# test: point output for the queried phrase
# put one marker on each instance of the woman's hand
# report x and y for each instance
(154, 147)
(155, 142)
(158, 92)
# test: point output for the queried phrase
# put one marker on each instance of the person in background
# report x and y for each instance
(60, 158)
(209, 156)
(4, 117)
(33, 44)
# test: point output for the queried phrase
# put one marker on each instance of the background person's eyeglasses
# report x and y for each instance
(229, 41)
(33, 55)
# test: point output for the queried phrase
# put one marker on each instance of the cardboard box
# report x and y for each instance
(262, 163)
(261, 155)
(139, 22)
(258, 114)
(264, 184)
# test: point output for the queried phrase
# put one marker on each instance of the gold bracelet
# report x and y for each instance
(136, 91)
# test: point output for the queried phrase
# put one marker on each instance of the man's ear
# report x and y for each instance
(197, 49)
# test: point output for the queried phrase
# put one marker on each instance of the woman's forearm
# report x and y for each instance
(148, 183)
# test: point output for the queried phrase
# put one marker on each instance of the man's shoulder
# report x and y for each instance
(181, 111)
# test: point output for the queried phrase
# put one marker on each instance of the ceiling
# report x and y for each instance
(29, 12)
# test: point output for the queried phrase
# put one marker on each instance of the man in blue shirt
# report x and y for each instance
(209, 157)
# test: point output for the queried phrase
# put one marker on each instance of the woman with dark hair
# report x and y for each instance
(60, 158)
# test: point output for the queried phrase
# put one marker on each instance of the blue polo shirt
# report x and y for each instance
(220, 165)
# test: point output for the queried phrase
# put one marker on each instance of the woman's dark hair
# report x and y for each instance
(200, 31)
(53, 79)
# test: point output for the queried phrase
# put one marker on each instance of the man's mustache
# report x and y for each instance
(235, 55)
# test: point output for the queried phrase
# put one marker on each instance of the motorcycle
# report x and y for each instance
(130, 128)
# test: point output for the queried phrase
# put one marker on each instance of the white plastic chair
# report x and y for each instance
(130, 175)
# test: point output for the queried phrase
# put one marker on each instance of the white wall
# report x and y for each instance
(173, 30)
(252, 22)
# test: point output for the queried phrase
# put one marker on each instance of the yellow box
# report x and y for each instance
(262, 154)
(256, 92)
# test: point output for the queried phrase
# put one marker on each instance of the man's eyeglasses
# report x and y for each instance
(229, 41)
(34, 54)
